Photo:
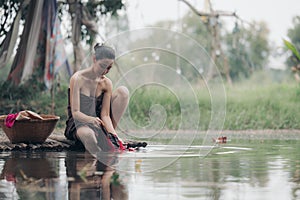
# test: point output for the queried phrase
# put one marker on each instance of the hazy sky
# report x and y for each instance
(277, 13)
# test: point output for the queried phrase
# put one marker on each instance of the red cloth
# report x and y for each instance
(11, 178)
(121, 148)
(10, 119)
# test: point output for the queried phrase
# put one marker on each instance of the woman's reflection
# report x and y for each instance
(88, 178)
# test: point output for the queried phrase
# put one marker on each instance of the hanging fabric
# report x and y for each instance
(7, 47)
(17, 67)
(32, 41)
(56, 56)
(41, 47)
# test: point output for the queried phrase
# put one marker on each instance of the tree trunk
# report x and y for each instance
(76, 14)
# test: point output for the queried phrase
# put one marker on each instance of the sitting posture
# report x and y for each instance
(94, 110)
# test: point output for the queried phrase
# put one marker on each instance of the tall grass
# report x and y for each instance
(273, 106)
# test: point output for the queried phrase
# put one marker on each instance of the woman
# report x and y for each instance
(93, 109)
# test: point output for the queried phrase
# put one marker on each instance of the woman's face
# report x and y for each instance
(102, 67)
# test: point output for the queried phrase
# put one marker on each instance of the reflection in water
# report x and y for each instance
(242, 169)
(38, 176)
(91, 179)
(26, 176)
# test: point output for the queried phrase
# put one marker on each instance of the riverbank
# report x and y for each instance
(281, 134)
(57, 142)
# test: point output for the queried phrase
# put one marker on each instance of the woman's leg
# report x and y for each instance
(87, 136)
(119, 103)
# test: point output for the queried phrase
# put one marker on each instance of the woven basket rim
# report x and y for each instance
(45, 116)
(30, 130)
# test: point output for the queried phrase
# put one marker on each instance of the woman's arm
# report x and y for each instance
(105, 112)
(75, 85)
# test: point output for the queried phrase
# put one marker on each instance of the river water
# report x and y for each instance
(243, 168)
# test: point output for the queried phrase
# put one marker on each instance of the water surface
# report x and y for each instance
(243, 168)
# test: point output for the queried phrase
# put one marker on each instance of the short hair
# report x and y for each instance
(102, 51)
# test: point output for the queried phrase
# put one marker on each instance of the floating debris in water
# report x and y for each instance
(220, 140)
(137, 165)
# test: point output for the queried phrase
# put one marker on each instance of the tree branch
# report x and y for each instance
(212, 14)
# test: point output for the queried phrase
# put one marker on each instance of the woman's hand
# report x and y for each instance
(119, 139)
(96, 121)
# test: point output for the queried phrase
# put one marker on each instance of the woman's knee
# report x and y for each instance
(122, 92)
(86, 135)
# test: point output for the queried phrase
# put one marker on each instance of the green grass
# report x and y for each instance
(273, 106)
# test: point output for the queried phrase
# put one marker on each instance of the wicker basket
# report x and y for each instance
(30, 131)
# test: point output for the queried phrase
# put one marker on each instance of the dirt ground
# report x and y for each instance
(283, 134)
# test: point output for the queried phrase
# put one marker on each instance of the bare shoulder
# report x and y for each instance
(76, 78)
(107, 83)
(107, 80)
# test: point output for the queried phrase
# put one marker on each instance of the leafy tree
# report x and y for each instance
(294, 32)
(88, 13)
(196, 27)
(248, 49)
(294, 47)
(82, 14)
